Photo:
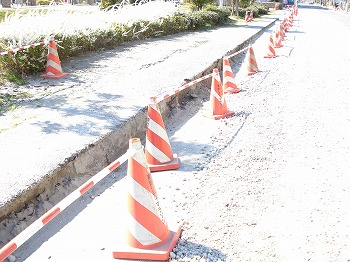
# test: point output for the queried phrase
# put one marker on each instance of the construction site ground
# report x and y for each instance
(76, 125)
(268, 184)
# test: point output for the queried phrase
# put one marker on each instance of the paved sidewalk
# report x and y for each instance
(79, 124)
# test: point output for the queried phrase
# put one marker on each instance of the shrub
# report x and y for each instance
(223, 12)
(107, 3)
(261, 9)
(43, 2)
(199, 4)
(258, 8)
(34, 59)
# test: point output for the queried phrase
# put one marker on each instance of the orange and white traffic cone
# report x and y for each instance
(158, 151)
(282, 32)
(217, 99)
(147, 236)
(291, 20)
(270, 53)
(229, 84)
(252, 66)
(53, 65)
(251, 16)
(286, 24)
(278, 42)
(296, 10)
(247, 16)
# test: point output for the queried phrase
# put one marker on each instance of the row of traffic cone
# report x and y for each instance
(148, 236)
(147, 233)
(54, 69)
(276, 38)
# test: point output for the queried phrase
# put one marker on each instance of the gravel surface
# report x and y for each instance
(268, 184)
(278, 188)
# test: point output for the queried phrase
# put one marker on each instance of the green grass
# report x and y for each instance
(3, 14)
(16, 124)
(11, 11)
(8, 101)
(13, 77)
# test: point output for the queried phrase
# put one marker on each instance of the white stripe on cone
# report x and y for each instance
(138, 157)
(227, 68)
(216, 95)
(157, 129)
(54, 65)
(229, 79)
(142, 196)
(253, 66)
(142, 235)
(156, 153)
(53, 51)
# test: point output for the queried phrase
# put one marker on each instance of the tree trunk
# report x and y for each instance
(236, 7)
(32, 2)
(6, 3)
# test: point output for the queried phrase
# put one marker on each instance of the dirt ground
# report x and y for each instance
(268, 184)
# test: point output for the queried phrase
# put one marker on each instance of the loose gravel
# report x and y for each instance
(276, 188)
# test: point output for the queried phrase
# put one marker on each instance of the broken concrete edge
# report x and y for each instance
(94, 157)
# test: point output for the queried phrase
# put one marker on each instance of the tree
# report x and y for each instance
(235, 7)
(199, 4)
(6, 3)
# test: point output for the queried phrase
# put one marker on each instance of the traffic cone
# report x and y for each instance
(251, 16)
(252, 66)
(53, 65)
(158, 151)
(291, 20)
(286, 25)
(247, 16)
(278, 42)
(282, 32)
(270, 53)
(217, 99)
(147, 235)
(229, 84)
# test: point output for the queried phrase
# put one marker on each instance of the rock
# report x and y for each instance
(19, 228)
